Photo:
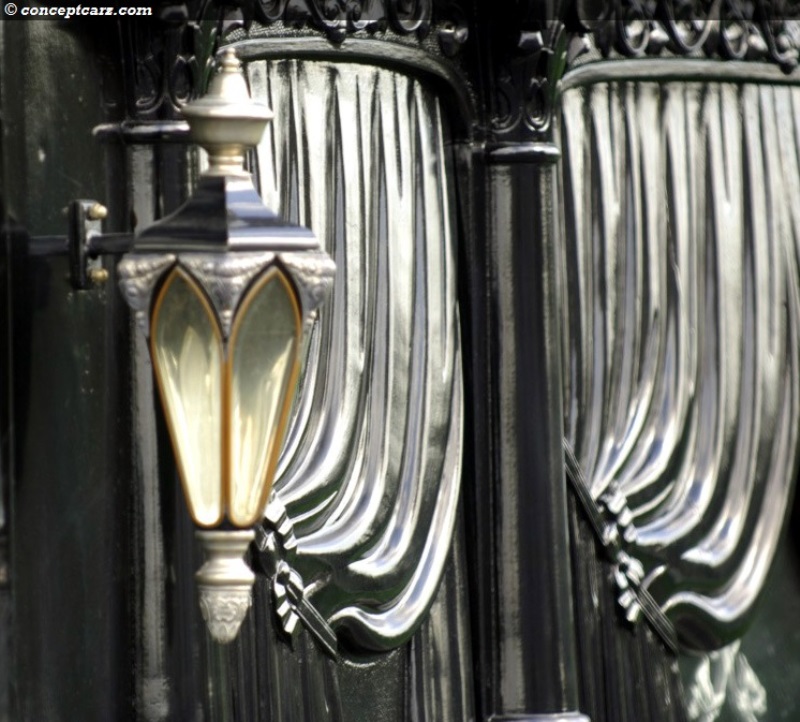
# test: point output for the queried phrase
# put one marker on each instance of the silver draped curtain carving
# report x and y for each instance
(682, 206)
(370, 472)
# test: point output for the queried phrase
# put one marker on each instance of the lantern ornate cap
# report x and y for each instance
(225, 212)
(226, 121)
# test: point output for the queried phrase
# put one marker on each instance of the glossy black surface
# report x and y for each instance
(224, 214)
(533, 651)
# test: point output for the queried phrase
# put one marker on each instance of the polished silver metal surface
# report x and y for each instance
(723, 681)
(292, 607)
(682, 384)
(138, 279)
(225, 213)
(371, 486)
(612, 523)
(224, 277)
(371, 466)
(442, 677)
(225, 582)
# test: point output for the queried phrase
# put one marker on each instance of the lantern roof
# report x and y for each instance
(225, 212)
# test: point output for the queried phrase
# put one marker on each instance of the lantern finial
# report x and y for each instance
(226, 121)
(224, 582)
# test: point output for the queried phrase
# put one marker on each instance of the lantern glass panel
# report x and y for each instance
(263, 372)
(187, 355)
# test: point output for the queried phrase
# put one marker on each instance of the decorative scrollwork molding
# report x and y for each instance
(529, 56)
(524, 91)
(522, 53)
(338, 18)
(410, 20)
(224, 277)
(168, 59)
(224, 611)
(138, 277)
(166, 63)
(315, 278)
(224, 582)
(722, 29)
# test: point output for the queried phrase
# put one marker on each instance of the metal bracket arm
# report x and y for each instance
(84, 243)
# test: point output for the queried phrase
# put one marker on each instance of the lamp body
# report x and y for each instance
(226, 400)
(225, 330)
(224, 289)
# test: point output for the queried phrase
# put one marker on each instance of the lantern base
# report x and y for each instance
(225, 582)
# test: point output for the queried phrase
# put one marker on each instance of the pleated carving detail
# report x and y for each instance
(371, 466)
(682, 206)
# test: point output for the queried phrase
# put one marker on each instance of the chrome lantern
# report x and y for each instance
(224, 290)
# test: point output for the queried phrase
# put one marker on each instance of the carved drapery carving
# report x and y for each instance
(371, 467)
(682, 320)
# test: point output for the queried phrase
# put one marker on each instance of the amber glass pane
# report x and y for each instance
(264, 346)
(187, 355)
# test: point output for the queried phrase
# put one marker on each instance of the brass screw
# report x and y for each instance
(97, 212)
(98, 276)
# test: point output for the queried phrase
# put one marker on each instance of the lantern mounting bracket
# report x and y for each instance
(84, 243)
(84, 221)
